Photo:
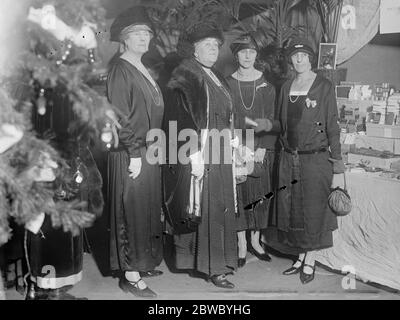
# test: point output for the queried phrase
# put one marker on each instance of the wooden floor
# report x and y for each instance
(257, 280)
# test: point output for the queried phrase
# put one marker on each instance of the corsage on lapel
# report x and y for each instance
(311, 103)
(262, 85)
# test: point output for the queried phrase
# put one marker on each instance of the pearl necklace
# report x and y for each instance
(240, 92)
(293, 101)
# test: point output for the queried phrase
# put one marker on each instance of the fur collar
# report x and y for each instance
(189, 79)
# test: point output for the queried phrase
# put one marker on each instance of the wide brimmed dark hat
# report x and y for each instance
(201, 31)
(135, 15)
(245, 41)
(300, 45)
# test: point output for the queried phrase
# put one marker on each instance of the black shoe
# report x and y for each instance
(292, 269)
(133, 288)
(241, 262)
(305, 277)
(151, 273)
(220, 281)
(260, 256)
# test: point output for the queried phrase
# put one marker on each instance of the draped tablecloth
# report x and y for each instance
(368, 239)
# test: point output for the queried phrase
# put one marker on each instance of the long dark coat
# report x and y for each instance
(212, 247)
(304, 219)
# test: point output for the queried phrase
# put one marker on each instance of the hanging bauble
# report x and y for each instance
(41, 103)
(78, 177)
(91, 57)
(65, 55)
(107, 135)
(60, 193)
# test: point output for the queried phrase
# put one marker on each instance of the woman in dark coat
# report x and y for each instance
(254, 98)
(200, 100)
(134, 183)
(311, 154)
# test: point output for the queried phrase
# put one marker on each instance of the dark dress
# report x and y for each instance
(211, 250)
(304, 219)
(257, 184)
(135, 204)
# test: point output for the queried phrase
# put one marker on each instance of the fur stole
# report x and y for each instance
(188, 79)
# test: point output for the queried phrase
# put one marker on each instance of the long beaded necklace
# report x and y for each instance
(157, 101)
(293, 101)
(241, 96)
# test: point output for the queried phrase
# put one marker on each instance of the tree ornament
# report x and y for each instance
(91, 57)
(41, 103)
(60, 193)
(78, 175)
(107, 135)
(65, 54)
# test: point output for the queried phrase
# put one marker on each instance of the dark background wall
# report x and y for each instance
(375, 63)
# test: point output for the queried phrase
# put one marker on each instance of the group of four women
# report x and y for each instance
(200, 98)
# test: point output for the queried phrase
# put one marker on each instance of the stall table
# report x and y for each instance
(368, 239)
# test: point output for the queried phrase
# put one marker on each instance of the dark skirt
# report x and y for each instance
(55, 257)
(212, 249)
(304, 220)
(250, 192)
(135, 212)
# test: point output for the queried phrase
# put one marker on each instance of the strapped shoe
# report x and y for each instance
(132, 287)
(305, 277)
(293, 269)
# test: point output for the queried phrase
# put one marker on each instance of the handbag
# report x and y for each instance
(339, 200)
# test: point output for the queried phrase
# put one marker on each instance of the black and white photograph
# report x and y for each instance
(327, 56)
(197, 157)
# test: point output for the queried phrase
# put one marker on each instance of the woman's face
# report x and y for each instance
(138, 39)
(206, 51)
(247, 57)
(301, 62)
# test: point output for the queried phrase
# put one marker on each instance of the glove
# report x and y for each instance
(197, 163)
(259, 155)
(135, 166)
(245, 153)
(263, 125)
(338, 166)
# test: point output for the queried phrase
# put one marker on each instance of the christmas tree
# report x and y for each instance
(55, 55)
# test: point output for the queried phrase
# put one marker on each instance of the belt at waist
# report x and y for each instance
(320, 150)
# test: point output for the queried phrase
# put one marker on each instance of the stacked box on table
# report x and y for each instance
(383, 131)
(375, 143)
(372, 161)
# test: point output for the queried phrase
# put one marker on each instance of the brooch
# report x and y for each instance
(311, 103)
(262, 85)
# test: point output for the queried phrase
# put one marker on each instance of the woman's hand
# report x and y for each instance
(263, 125)
(135, 166)
(197, 163)
(337, 181)
(259, 154)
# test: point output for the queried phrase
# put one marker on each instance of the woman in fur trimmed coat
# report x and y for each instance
(200, 100)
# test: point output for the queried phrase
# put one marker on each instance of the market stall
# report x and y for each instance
(367, 240)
